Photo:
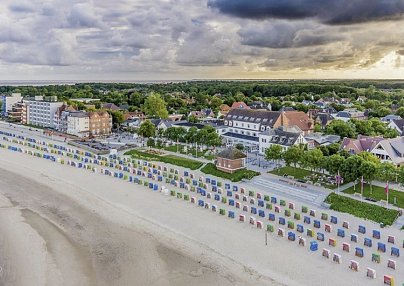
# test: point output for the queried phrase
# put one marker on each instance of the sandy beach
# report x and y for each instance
(62, 226)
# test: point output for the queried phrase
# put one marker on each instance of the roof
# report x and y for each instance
(395, 149)
(362, 143)
(324, 118)
(224, 107)
(263, 117)
(323, 139)
(79, 114)
(241, 136)
(240, 105)
(231, 154)
(297, 118)
(189, 124)
(399, 123)
(110, 106)
(390, 117)
(281, 137)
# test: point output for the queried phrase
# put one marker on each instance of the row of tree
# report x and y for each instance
(207, 136)
(350, 167)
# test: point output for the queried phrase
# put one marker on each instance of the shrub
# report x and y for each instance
(361, 209)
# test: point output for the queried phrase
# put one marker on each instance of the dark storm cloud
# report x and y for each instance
(326, 11)
(278, 35)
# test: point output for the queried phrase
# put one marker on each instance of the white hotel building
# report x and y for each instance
(41, 111)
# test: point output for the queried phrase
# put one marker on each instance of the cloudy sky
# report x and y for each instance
(200, 39)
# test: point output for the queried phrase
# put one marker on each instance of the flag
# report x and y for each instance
(338, 178)
(386, 189)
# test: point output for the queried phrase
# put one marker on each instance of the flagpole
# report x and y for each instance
(362, 189)
(387, 191)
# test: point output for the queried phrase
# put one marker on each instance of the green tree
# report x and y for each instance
(117, 117)
(240, 146)
(350, 168)
(150, 142)
(191, 135)
(333, 163)
(317, 127)
(274, 152)
(368, 170)
(215, 102)
(341, 128)
(312, 159)
(391, 133)
(293, 155)
(369, 157)
(400, 112)
(386, 171)
(155, 106)
(147, 129)
(193, 119)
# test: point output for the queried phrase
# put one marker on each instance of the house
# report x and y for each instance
(110, 106)
(349, 114)
(8, 101)
(318, 139)
(132, 123)
(239, 105)
(361, 144)
(230, 160)
(361, 99)
(60, 117)
(258, 105)
(78, 124)
(323, 119)
(204, 113)
(390, 150)
(175, 117)
(390, 117)
(223, 110)
(100, 123)
(133, 115)
(397, 124)
(280, 136)
(296, 119)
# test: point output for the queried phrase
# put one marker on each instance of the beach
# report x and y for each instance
(62, 226)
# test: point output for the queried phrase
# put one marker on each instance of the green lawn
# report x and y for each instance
(299, 174)
(361, 209)
(378, 194)
(170, 159)
(191, 151)
(235, 177)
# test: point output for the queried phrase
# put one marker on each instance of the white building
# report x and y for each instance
(397, 124)
(8, 102)
(390, 150)
(280, 137)
(42, 111)
(78, 124)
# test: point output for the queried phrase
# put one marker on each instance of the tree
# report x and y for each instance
(274, 152)
(155, 106)
(400, 173)
(386, 171)
(381, 111)
(293, 155)
(317, 127)
(400, 112)
(312, 159)
(391, 133)
(350, 168)
(215, 102)
(333, 163)
(191, 135)
(117, 117)
(369, 157)
(150, 142)
(240, 146)
(341, 128)
(147, 129)
(193, 119)
(368, 170)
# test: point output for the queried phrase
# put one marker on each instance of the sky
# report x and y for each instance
(200, 39)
